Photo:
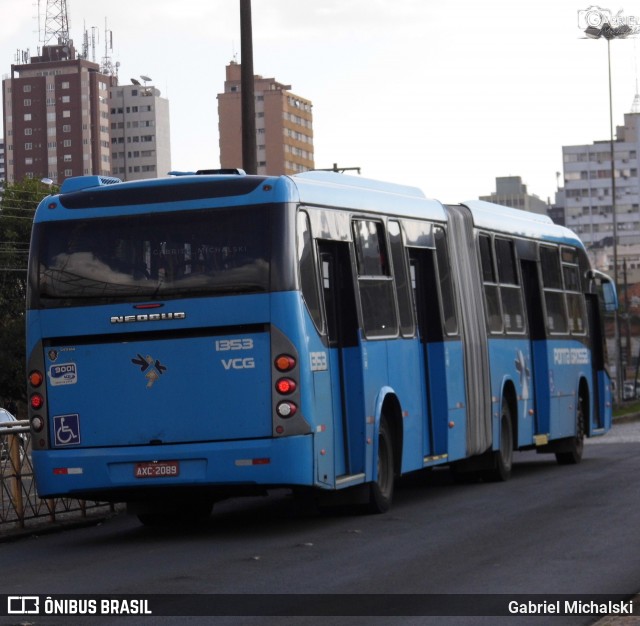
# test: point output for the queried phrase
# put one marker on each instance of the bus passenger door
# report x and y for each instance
(345, 360)
(537, 336)
(423, 282)
(443, 358)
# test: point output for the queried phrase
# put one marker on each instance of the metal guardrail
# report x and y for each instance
(20, 506)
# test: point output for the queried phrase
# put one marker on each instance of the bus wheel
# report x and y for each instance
(503, 457)
(381, 490)
(573, 454)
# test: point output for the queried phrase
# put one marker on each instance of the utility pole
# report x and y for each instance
(249, 156)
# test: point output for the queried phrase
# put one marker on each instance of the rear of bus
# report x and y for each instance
(163, 334)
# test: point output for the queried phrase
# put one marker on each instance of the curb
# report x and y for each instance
(36, 530)
(625, 419)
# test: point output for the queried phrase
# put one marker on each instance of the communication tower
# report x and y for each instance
(107, 66)
(56, 23)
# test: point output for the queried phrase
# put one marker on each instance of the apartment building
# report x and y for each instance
(56, 117)
(284, 125)
(588, 187)
(140, 132)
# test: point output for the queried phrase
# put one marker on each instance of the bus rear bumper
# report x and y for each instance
(111, 473)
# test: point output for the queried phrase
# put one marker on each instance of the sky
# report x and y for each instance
(443, 95)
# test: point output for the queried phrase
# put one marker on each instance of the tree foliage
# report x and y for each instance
(17, 209)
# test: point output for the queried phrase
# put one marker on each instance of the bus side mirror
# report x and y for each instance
(609, 293)
(610, 296)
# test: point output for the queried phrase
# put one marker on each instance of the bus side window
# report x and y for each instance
(446, 283)
(374, 280)
(556, 316)
(403, 292)
(308, 273)
(575, 298)
(491, 290)
(510, 291)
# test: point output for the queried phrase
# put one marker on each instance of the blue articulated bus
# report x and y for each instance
(215, 334)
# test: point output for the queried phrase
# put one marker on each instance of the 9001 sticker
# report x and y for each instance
(63, 374)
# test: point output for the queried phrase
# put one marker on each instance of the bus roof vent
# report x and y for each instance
(76, 183)
(233, 171)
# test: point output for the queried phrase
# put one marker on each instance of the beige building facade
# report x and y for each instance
(140, 132)
(284, 126)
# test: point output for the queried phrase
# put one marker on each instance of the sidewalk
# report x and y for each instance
(69, 521)
(628, 417)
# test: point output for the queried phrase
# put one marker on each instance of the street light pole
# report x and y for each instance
(613, 172)
(616, 317)
(609, 32)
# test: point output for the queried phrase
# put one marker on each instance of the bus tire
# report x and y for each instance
(573, 454)
(381, 490)
(503, 456)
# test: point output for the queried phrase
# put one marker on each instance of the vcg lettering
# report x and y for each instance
(238, 364)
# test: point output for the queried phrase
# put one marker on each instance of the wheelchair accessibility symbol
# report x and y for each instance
(67, 429)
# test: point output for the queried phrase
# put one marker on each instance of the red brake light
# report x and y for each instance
(285, 386)
(35, 378)
(284, 363)
(36, 401)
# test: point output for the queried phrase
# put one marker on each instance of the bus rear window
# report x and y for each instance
(151, 256)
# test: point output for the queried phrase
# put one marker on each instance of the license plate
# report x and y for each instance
(156, 469)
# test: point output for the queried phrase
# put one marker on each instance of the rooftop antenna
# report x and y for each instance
(635, 107)
(56, 23)
(107, 66)
(145, 79)
(94, 39)
(85, 43)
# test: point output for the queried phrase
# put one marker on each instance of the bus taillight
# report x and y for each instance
(285, 386)
(36, 401)
(37, 423)
(284, 363)
(286, 409)
(35, 378)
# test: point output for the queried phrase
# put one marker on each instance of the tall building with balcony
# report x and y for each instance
(56, 117)
(140, 132)
(284, 125)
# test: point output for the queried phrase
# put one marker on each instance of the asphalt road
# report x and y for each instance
(550, 530)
